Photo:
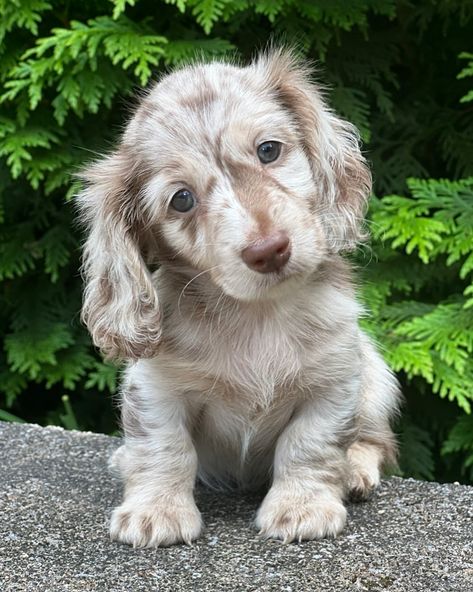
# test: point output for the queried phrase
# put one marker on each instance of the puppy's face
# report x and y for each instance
(230, 188)
(241, 174)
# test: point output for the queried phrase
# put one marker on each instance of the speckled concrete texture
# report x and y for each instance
(56, 495)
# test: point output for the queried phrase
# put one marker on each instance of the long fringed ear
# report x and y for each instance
(120, 306)
(331, 144)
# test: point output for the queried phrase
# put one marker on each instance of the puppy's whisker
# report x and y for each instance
(193, 279)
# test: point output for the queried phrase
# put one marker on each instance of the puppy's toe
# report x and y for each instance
(361, 484)
(365, 476)
(292, 518)
(161, 524)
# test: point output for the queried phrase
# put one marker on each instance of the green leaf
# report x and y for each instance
(207, 12)
(7, 416)
(467, 71)
(179, 52)
(417, 459)
(119, 6)
(27, 351)
(460, 439)
(104, 377)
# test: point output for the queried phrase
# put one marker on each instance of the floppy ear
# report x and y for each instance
(330, 143)
(120, 305)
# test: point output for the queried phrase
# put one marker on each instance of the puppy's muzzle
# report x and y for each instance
(269, 254)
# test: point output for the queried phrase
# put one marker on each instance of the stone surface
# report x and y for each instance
(56, 495)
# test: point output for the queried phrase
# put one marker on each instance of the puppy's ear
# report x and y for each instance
(330, 143)
(120, 305)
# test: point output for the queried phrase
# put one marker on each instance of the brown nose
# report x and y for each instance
(270, 254)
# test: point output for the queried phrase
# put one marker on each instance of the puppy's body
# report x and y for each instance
(248, 367)
(241, 371)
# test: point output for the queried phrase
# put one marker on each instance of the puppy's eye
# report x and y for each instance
(269, 151)
(183, 200)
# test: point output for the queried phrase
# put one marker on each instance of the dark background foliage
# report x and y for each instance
(399, 70)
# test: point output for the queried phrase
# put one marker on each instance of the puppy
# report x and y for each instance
(240, 188)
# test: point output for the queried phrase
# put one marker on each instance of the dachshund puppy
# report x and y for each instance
(213, 266)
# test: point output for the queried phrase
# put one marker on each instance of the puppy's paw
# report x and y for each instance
(289, 517)
(365, 476)
(157, 525)
(362, 483)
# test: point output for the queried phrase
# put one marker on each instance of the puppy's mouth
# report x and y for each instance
(287, 275)
(263, 286)
(278, 276)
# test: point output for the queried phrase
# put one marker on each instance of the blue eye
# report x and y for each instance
(269, 151)
(183, 201)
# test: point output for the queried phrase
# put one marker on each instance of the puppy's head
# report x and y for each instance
(240, 174)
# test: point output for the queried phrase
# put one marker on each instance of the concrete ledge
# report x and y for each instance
(56, 495)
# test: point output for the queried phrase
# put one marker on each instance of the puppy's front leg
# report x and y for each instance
(310, 468)
(159, 465)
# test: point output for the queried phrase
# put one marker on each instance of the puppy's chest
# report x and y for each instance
(257, 358)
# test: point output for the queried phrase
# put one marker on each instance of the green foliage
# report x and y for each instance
(402, 72)
(420, 465)
(424, 318)
(5, 416)
(460, 440)
(429, 339)
(467, 71)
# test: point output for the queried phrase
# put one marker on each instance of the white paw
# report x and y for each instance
(362, 483)
(161, 524)
(290, 517)
(365, 476)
